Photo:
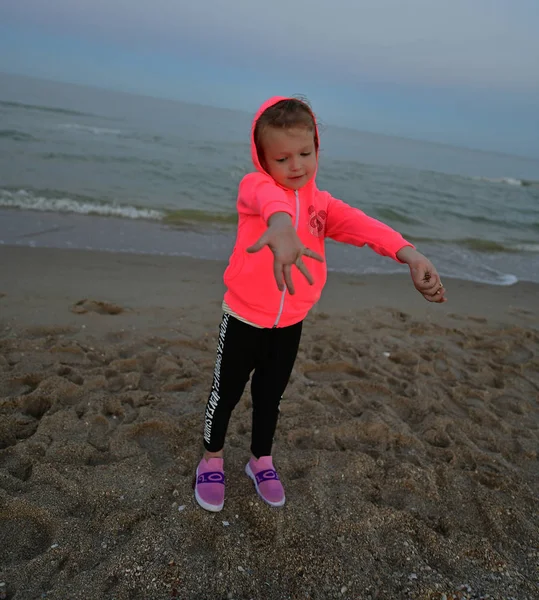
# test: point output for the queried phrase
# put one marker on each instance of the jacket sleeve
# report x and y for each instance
(258, 195)
(352, 226)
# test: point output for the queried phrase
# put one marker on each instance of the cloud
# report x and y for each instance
(481, 43)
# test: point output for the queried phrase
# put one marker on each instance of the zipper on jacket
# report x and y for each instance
(281, 306)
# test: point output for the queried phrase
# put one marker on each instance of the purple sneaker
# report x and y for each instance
(210, 484)
(266, 480)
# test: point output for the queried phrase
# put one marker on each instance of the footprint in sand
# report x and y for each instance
(177, 383)
(491, 476)
(17, 466)
(24, 533)
(155, 438)
(52, 390)
(519, 355)
(507, 402)
(16, 427)
(317, 439)
(20, 384)
(97, 306)
(334, 372)
(458, 317)
(445, 370)
(437, 438)
(299, 472)
(98, 434)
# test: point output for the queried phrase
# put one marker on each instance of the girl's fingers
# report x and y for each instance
(304, 270)
(437, 296)
(258, 245)
(287, 270)
(283, 271)
(278, 274)
(312, 254)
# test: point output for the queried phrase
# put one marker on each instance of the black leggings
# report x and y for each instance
(242, 348)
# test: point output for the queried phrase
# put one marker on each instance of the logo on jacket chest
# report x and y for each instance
(317, 221)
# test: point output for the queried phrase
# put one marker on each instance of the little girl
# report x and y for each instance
(283, 221)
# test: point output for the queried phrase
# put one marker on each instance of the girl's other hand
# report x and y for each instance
(424, 275)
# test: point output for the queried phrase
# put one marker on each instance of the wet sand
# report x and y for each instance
(407, 441)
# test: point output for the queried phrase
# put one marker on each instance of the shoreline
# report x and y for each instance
(69, 231)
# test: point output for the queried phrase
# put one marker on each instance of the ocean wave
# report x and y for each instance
(477, 244)
(16, 136)
(145, 138)
(48, 109)
(486, 276)
(180, 217)
(527, 247)
(504, 180)
(99, 158)
(53, 201)
(395, 216)
(89, 129)
(482, 245)
(62, 202)
(496, 278)
(484, 220)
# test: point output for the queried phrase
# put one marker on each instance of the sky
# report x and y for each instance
(462, 72)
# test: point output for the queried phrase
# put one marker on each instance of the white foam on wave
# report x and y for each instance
(505, 279)
(527, 247)
(89, 129)
(505, 180)
(493, 278)
(27, 201)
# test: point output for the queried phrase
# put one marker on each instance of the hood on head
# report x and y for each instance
(267, 104)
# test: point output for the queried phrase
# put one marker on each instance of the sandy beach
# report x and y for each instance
(407, 442)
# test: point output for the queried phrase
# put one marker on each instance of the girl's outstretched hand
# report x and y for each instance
(424, 275)
(287, 248)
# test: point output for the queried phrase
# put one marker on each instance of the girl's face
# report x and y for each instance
(289, 155)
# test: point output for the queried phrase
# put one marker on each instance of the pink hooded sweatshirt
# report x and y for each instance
(252, 292)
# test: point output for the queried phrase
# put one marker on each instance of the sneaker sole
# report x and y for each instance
(206, 505)
(252, 476)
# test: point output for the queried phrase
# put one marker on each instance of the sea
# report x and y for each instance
(94, 169)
